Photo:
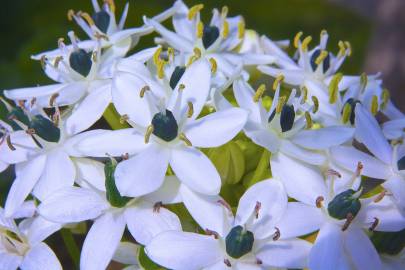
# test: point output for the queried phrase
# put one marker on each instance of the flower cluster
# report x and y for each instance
(205, 170)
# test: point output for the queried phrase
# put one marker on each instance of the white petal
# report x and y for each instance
(126, 253)
(257, 59)
(323, 138)
(144, 223)
(112, 143)
(177, 250)
(285, 254)
(195, 170)
(217, 128)
(40, 229)
(40, 257)
(31, 92)
(9, 261)
(23, 184)
(19, 154)
(90, 173)
(26, 210)
(302, 182)
(366, 124)
(89, 110)
(168, 193)
(59, 172)
(396, 185)
(207, 211)
(143, 173)
(3, 166)
(265, 138)
(73, 204)
(394, 129)
(300, 219)
(273, 203)
(348, 157)
(361, 250)
(102, 241)
(293, 77)
(328, 248)
(300, 153)
(244, 95)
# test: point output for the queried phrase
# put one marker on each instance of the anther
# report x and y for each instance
(334, 88)
(259, 93)
(363, 80)
(124, 118)
(157, 206)
(385, 95)
(149, 132)
(190, 110)
(305, 43)
(318, 201)
(308, 120)
(241, 29)
(88, 18)
(225, 204)
(156, 56)
(212, 233)
(225, 29)
(197, 52)
(227, 263)
(349, 219)
(347, 111)
(170, 52)
(277, 234)
(304, 94)
(374, 224)
(94, 56)
(374, 105)
(200, 29)
(160, 69)
(279, 79)
(348, 48)
(70, 14)
(297, 39)
(183, 138)
(359, 168)
(224, 11)
(58, 59)
(316, 104)
(9, 144)
(125, 156)
(181, 87)
(321, 57)
(280, 104)
(52, 99)
(380, 196)
(194, 10)
(43, 61)
(214, 65)
(30, 131)
(257, 209)
(342, 49)
(331, 172)
(143, 91)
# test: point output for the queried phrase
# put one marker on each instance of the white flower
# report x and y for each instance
(248, 241)
(22, 247)
(394, 129)
(387, 162)
(284, 128)
(337, 212)
(165, 131)
(111, 213)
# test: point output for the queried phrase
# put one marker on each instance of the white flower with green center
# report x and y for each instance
(338, 212)
(286, 126)
(111, 213)
(388, 161)
(165, 132)
(251, 240)
(22, 246)
(216, 41)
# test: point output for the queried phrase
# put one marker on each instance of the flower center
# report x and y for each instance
(325, 62)
(80, 61)
(210, 34)
(239, 242)
(165, 126)
(101, 20)
(176, 76)
(287, 117)
(344, 204)
(44, 128)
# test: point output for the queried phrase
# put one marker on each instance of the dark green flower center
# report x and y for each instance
(176, 76)
(239, 242)
(80, 61)
(210, 35)
(343, 204)
(401, 163)
(112, 193)
(101, 20)
(44, 128)
(326, 61)
(165, 126)
(352, 102)
(287, 117)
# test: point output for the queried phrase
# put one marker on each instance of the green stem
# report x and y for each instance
(262, 169)
(113, 118)
(71, 246)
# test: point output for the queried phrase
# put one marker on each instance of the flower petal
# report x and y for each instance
(168, 193)
(9, 261)
(300, 153)
(126, 253)
(265, 138)
(40, 257)
(90, 173)
(323, 138)
(244, 95)
(40, 229)
(396, 185)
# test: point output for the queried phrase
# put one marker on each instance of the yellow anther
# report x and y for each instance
(241, 28)
(374, 105)
(61, 42)
(43, 61)
(183, 138)
(225, 29)
(124, 118)
(52, 99)
(57, 61)
(191, 60)
(161, 69)
(280, 104)
(297, 39)
(321, 57)
(194, 10)
(88, 18)
(259, 93)
(304, 94)
(156, 56)
(385, 96)
(149, 132)
(99, 35)
(70, 14)
(197, 52)
(347, 111)
(334, 88)
(200, 29)
(323, 32)
(181, 87)
(305, 43)
(224, 11)
(190, 109)
(143, 91)
(308, 120)
(342, 48)
(111, 4)
(316, 104)
(214, 65)
(94, 56)
(279, 79)
(348, 48)
(363, 80)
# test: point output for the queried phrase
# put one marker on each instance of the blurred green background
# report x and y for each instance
(32, 26)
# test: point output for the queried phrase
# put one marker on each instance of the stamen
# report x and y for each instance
(359, 168)
(94, 56)
(257, 209)
(156, 56)
(374, 225)
(318, 201)
(52, 99)
(197, 52)
(212, 233)
(181, 87)
(349, 219)
(279, 79)
(334, 88)
(61, 43)
(30, 131)
(385, 95)
(331, 172)
(200, 29)
(194, 10)
(58, 59)
(225, 29)
(277, 234)
(43, 61)
(241, 28)
(143, 91)
(380, 196)
(214, 65)
(225, 204)
(342, 48)
(259, 93)
(297, 39)
(321, 57)
(227, 263)
(157, 206)
(125, 156)
(183, 138)
(111, 4)
(190, 110)
(305, 43)
(149, 132)
(259, 261)
(347, 112)
(348, 48)
(161, 69)
(224, 11)
(170, 52)
(304, 94)
(70, 14)
(9, 144)
(280, 104)
(374, 105)
(124, 118)
(308, 120)
(88, 18)
(363, 81)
